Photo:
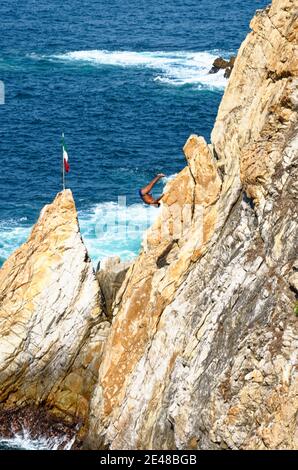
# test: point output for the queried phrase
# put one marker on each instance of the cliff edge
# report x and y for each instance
(51, 325)
(202, 349)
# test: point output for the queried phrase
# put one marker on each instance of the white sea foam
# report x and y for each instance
(24, 441)
(111, 229)
(12, 235)
(173, 68)
(108, 229)
(166, 179)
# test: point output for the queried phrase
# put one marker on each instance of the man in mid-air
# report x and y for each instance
(145, 194)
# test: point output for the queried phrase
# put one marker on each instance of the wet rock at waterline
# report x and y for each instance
(226, 65)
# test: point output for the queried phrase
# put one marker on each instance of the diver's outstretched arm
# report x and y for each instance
(147, 189)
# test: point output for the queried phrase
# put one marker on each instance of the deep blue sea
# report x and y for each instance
(127, 82)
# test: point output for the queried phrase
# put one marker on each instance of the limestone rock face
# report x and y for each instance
(51, 324)
(258, 113)
(202, 352)
(178, 238)
(110, 276)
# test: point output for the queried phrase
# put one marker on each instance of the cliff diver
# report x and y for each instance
(145, 194)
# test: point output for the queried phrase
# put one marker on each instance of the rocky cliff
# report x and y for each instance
(51, 324)
(202, 350)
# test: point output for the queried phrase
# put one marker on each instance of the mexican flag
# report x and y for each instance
(65, 155)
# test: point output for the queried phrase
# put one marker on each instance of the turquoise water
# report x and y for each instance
(127, 82)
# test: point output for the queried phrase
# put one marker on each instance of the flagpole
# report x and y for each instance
(63, 169)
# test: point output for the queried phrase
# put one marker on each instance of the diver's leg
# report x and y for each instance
(147, 189)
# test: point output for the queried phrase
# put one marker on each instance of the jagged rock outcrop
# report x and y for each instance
(202, 353)
(51, 325)
(172, 244)
(110, 275)
(222, 64)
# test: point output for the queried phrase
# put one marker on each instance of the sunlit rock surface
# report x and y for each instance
(202, 349)
(51, 324)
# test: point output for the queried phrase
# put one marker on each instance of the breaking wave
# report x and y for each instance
(24, 441)
(13, 233)
(114, 229)
(108, 229)
(172, 68)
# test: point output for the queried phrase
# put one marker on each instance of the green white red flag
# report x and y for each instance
(65, 155)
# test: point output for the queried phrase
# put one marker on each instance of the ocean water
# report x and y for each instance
(127, 82)
(24, 441)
